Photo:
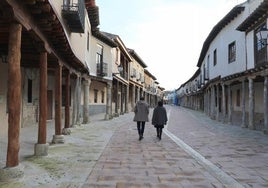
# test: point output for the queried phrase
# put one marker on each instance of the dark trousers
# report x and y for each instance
(140, 127)
(159, 132)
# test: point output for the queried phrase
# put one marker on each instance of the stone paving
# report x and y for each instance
(239, 152)
(109, 154)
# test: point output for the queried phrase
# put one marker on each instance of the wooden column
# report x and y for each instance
(42, 130)
(243, 124)
(116, 98)
(67, 100)
(122, 99)
(133, 97)
(212, 114)
(58, 137)
(265, 103)
(41, 148)
(223, 102)
(14, 94)
(229, 105)
(127, 98)
(218, 102)
(251, 103)
(75, 101)
(78, 107)
(58, 98)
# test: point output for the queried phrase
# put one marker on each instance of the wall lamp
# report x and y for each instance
(262, 35)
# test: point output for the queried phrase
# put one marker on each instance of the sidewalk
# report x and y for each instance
(68, 163)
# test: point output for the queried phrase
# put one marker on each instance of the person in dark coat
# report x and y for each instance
(141, 111)
(159, 118)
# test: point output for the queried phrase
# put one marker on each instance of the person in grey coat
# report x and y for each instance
(159, 118)
(141, 111)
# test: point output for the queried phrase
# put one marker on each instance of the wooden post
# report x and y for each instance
(67, 100)
(223, 102)
(251, 104)
(127, 98)
(42, 131)
(265, 102)
(75, 101)
(229, 104)
(41, 148)
(14, 94)
(58, 137)
(243, 124)
(58, 97)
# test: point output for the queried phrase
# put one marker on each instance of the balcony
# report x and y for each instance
(261, 56)
(102, 69)
(73, 11)
(124, 74)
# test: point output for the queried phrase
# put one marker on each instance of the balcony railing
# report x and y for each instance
(73, 11)
(261, 54)
(124, 74)
(102, 69)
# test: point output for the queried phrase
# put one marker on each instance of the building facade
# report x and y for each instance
(230, 83)
(56, 67)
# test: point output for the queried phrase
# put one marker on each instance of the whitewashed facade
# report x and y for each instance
(229, 86)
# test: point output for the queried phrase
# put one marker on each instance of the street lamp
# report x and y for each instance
(262, 35)
(120, 68)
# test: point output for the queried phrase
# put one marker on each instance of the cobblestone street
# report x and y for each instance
(194, 152)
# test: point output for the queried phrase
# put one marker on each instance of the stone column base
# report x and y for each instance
(11, 173)
(66, 131)
(108, 117)
(41, 149)
(58, 139)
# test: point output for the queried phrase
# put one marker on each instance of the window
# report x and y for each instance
(99, 54)
(231, 52)
(215, 57)
(95, 95)
(238, 97)
(102, 96)
(99, 60)
(30, 91)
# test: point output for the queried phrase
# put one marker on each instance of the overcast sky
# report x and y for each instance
(167, 34)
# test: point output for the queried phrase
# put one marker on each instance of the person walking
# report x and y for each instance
(141, 111)
(159, 118)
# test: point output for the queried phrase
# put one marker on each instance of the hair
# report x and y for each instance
(142, 98)
(160, 103)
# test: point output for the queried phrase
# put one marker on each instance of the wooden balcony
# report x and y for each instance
(74, 14)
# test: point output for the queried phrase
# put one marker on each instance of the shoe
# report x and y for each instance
(141, 137)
